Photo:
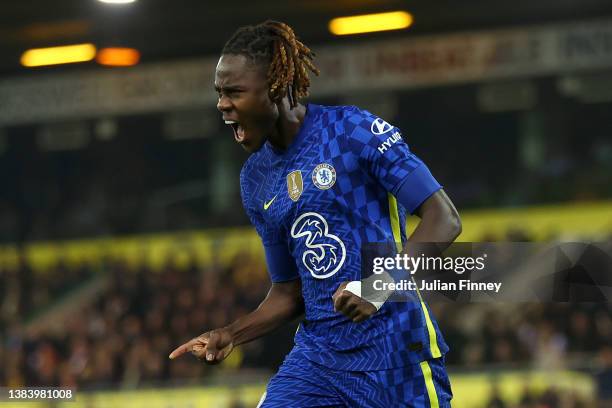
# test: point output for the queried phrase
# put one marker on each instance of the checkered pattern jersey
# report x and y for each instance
(318, 224)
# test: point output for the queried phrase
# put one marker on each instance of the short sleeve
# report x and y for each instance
(382, 151)
(281, 265)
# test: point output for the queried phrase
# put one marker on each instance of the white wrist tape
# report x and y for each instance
(355, 288)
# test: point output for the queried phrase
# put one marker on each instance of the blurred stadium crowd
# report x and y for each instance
(121, 337)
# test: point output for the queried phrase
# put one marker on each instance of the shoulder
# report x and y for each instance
(362, 123)
(361, 129)
(343, 121)
(356, 122)
(331, 115)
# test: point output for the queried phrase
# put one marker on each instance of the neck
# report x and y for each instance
(288, 125)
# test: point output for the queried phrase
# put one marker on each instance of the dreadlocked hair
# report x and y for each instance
(275, 45)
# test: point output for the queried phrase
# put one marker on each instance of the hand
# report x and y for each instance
(211, 347)
(351, 305)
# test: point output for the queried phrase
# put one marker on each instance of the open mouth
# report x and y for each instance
(238, 130)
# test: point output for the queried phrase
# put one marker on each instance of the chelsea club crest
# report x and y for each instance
(324, 176)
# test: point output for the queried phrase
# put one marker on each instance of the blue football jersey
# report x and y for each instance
(314, 205)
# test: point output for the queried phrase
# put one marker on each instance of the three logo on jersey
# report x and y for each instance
(325, 253)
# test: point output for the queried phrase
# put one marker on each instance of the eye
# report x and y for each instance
(229, 93)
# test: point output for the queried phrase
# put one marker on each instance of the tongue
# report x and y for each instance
(239, 134)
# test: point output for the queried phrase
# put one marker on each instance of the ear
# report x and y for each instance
(290, 95)
(283, 104)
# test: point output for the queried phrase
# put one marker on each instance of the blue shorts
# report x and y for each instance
(302, 383)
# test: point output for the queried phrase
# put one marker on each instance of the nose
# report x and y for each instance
(223, 104)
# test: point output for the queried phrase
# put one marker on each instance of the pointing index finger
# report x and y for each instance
(182, 349)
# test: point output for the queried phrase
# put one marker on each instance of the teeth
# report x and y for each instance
(230, 122)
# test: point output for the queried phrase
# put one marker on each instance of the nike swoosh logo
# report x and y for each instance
(269, 203)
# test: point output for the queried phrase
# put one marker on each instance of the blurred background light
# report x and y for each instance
(117, 1)
(368, 23)
(66, 54)
(118, 57)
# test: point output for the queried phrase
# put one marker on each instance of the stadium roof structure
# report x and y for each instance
(167, 30)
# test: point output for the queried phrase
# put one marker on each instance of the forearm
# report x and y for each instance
(282, 304)
(438, 228)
